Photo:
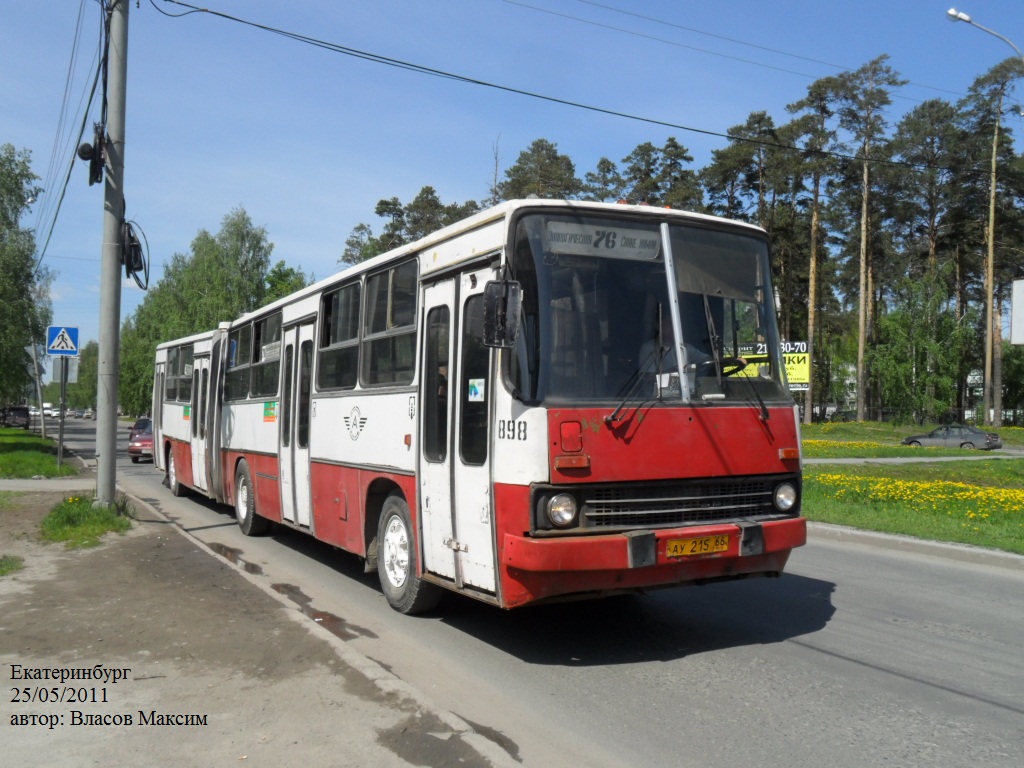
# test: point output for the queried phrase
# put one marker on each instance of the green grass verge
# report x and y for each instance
(24, 454)
(10, 564)
(78, 523)
(984, 506)
(863, 440)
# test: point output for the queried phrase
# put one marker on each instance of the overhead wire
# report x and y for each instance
(645, 36)
(56, 149)
(99, 69)
(1017, 114)
(655, 20)
(425, 70)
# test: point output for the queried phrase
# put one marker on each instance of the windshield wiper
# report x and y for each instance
(713, 334)
(635, 382)
(765, 415)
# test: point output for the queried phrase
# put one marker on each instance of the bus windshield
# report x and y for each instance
(597, 323)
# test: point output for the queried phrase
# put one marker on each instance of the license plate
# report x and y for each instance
(705, 545)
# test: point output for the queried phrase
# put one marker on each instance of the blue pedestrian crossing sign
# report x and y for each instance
(62, 341)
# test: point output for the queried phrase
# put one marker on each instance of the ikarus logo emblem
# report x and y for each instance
(354, 423)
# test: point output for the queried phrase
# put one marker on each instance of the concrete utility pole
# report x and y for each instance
(992, 333)
(110, 270)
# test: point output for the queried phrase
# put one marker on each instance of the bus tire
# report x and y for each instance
(250, 523)
(397, 561)
(177, 489)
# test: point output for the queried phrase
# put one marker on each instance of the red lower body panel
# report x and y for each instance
(182, 453)
(534, 568)
(339, 500)
(264, 471)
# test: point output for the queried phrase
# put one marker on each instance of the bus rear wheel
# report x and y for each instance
(250, 523)
(397, 561)
(177, 489)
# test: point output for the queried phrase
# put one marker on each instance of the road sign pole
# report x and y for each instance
(63, 361)
(39, 389)
(110, 269)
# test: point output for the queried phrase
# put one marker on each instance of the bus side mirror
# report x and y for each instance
(503, 300)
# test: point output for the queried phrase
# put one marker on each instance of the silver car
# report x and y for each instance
(956, 436)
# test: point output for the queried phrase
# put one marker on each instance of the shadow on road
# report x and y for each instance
(662, 626)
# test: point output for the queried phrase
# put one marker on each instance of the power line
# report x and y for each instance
(61, 117)
(81, 132)
(663, 40)
(727, 39)
(422, 69)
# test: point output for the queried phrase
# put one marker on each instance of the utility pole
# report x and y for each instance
(110, 270)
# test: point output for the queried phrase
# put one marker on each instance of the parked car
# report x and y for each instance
(956, 436)
(79, 413)
(16, 416)
(140, 441)
(89, 414)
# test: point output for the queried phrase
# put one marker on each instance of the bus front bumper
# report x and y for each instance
(535, 569)
(642, 549)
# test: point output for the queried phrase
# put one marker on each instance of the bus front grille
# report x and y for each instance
(708, 501)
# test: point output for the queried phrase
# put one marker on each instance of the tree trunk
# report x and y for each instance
(812, 301)
(862, 319)
(997, 362)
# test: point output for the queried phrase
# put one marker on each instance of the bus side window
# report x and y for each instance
(304, 393)
(337, 367)
(435, 386)
(266, 357)
(473, 373)
(236, 380)
(185, 374)
(171, 375)
(389, 329)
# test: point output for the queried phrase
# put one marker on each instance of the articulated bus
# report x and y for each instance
(547, 400)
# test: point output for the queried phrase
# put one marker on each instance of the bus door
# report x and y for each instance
(197, 420)
(455, 497)
(158, 417)
(297, 374)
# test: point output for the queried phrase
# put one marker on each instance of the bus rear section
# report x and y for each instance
(186, 414)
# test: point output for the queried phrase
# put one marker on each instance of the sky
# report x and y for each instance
(222, 115)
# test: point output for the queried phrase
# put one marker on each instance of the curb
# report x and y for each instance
(386, 682)
(964, 553)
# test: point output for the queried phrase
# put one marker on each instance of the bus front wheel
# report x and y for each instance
(250, 523)
(397, 561)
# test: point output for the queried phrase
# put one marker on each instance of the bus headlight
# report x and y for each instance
(785, 497)
(561, 510)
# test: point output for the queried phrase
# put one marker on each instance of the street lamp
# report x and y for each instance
(954, 15)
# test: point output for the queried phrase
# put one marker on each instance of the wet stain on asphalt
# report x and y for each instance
(336, 625)
(233, 555)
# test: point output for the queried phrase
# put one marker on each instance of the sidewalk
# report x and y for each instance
(220, 671)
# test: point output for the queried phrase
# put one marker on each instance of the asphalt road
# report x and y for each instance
(859, 656)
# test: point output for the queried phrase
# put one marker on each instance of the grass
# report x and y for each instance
(23, 454)
(10, 564)
(78, 523)
(860, 440)
(983, 506)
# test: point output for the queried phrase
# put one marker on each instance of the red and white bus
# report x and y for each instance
(498, 408)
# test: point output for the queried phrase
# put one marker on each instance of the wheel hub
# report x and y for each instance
(396, 552)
